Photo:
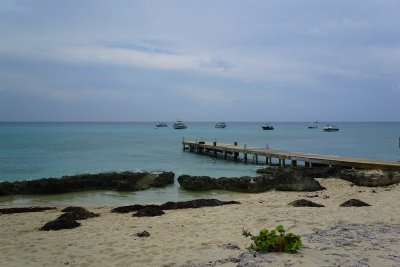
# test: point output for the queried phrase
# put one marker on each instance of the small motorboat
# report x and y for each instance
(179, 124)
(331, 128)
(161, 124)
(220, 125)
(267, 127)
(312, 126)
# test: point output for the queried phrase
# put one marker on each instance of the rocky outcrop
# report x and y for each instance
(279, 179)
(370, 177)
(315, 172)
(163, 179)
(289, 179)
(123, 181)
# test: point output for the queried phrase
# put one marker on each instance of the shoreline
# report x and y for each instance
(211, 236)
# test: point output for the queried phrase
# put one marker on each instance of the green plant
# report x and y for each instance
(274, 241)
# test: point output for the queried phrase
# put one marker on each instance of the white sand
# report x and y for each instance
(204, 237)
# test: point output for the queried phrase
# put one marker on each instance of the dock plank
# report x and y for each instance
(332, 160)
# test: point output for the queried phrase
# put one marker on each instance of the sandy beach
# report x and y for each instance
(212, 236)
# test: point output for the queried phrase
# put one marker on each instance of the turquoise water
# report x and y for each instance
(37, 150)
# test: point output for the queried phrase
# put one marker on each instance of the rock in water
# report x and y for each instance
(282, 180)
(196, 183)
(122, 181)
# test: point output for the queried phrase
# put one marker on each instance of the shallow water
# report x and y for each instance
(38, 150)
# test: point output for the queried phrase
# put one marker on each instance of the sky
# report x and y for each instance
(224, 60)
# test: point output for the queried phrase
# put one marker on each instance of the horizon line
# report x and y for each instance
(201, 121)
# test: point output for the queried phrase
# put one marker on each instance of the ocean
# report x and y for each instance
(40, 150)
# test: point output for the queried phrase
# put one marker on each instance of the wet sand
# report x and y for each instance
(212, 236)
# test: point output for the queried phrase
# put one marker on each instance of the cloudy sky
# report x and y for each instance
(131, 60)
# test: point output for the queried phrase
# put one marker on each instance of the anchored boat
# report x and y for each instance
(161, 124)
(267, 127)
(331, 128)
(179, 124)
(220, 125)
(312, 126)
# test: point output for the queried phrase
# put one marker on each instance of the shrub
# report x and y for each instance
(274, 241)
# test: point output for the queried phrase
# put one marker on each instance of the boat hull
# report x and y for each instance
(220, 125)
(178, 127)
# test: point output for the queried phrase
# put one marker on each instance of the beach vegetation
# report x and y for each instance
(276, 240)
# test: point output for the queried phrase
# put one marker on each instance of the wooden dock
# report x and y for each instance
(284, 157)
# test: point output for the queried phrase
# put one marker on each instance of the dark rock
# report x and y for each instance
(297, 183)
(143, 234)
(246, 184)
(163, 179)
(191, 204)
(123, 181)
(6, 188)
(354, 203)
(127, 209)
(200, 183)
(304, 203)
(149, 212)
(196, 203)
(25, 209)
(59, 225)
(73, 209)
(370, 177)
(280, 179)
(314, 172)
(77, 213)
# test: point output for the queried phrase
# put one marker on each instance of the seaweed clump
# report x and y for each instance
(157, 210)
(77, 213)
(304, 203)
(354, 203)
(24, 210)
(60, 224)
(68, 219)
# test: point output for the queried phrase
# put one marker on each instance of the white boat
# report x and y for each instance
(267, 127)
(179, 124)
(312, 126)
(220, 125)
(161, 124)
(331, 128)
